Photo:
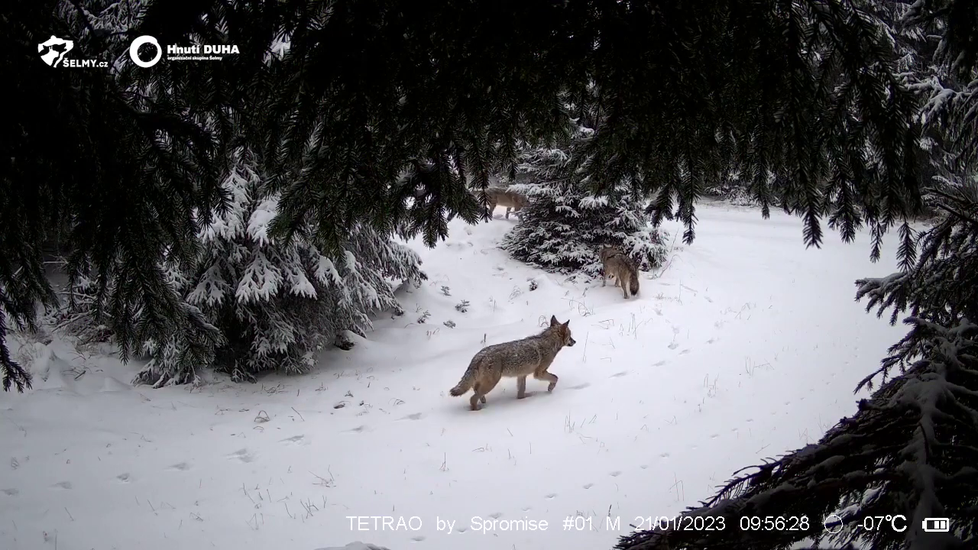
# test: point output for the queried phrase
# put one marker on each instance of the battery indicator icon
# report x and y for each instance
(936, 525)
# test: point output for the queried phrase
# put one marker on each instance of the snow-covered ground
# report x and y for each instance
(746, 346)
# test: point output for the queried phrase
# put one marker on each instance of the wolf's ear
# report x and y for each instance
(567, 324)
(553, 321)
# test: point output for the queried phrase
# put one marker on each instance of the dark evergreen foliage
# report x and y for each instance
(798, 96)
(81, 165)
(912, 448)
(949, 30)
(270, 304)
(688, 92)
(731, 188)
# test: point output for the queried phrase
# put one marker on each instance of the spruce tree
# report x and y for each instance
(274, 301)
(799, 97)
(268, 304)
(912, 448)
(564, 225)
(86, 169)
(745, 84)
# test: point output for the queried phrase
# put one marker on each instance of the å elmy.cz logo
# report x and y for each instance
(207, 52)
(53, 52)
(54, 49)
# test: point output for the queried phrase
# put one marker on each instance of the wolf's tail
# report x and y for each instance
(465, 384)
(633, 283)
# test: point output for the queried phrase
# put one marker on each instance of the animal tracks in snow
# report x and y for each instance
(243, 455)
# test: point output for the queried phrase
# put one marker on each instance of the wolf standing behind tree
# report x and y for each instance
(517, 358)
(500, 196)
(616, 264)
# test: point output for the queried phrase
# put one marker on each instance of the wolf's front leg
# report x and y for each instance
(544, 375)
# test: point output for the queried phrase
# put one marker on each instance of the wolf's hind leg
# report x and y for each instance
(483, 387)
(477, 396)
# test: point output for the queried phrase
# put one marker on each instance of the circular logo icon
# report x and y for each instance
(134, 51)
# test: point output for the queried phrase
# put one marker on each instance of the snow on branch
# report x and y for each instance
(912, 449)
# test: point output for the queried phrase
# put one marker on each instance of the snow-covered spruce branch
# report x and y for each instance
(251, 303)
(277, 303)
(912, 449)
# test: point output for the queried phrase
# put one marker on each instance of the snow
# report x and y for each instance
(326, 272)
(261, 220)
(356, 546)
(261, 279)
(747, 346)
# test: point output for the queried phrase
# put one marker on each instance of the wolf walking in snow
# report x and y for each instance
(516, 359)
(504, 197)
(616, 264)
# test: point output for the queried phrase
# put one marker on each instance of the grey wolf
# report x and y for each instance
(616, 264)
(515, 359)
(504, 197)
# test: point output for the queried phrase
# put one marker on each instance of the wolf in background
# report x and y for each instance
(616, 264)
(504, 197)
(515, 359)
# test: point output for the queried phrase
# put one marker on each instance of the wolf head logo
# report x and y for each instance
(53, 50)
